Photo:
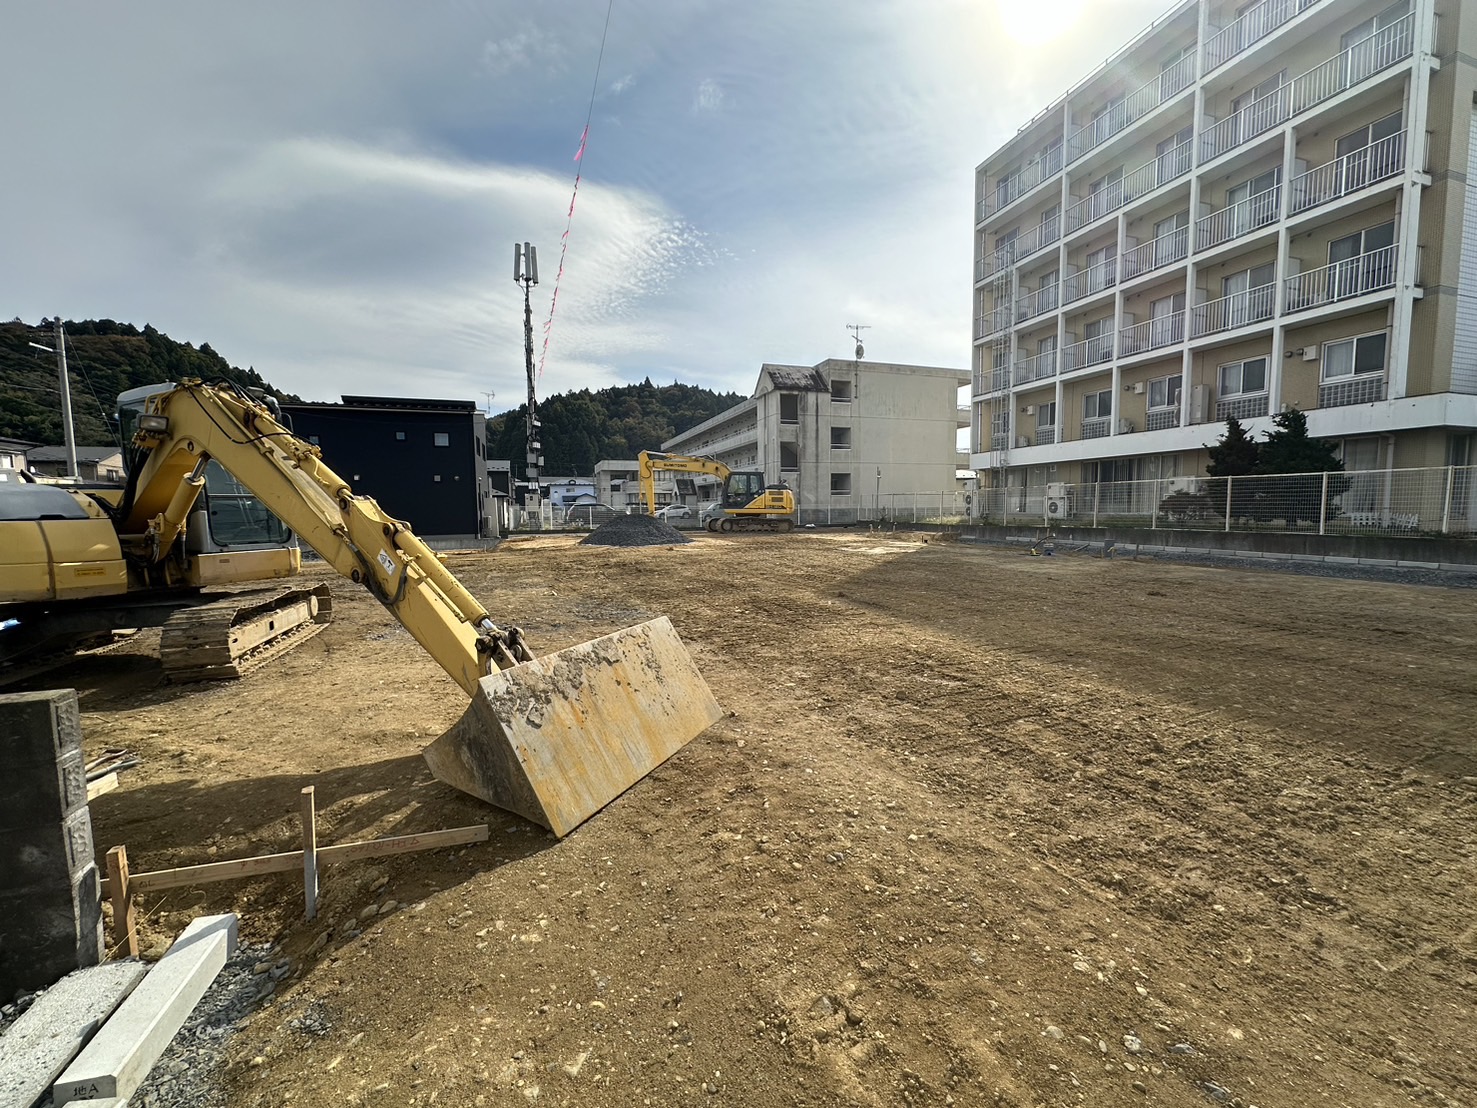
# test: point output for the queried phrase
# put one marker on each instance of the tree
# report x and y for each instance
(1235, 454)
(1294, 465)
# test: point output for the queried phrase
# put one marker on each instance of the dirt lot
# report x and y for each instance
(978, 828)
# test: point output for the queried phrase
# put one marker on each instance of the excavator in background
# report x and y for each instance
(553, 738)
(747, 502)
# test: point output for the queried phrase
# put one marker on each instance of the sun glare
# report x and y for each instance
(1033, 22)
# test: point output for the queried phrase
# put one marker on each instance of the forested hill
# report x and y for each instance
(584, 427)
(104, 358)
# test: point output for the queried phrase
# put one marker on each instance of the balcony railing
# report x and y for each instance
(1085, 282)
(1356, 390)
(1156, 253)
(1133, 107)
(1241, 407)
(1152, 334)
(1237, 310)
(1093, 351)
(1161, 419)
(1045, 436)
(1009, 189)
(1378, 161)
(1369, 272)
(1097, 428)
(1035, 303)
(1256, 24)
(991, 322)
(1016, 250)
(1036, 368)
(1240, 218)
(1163, 169)
(1344, 70)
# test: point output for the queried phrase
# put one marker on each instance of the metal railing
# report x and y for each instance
(1097, 428)
(1363, 273)
(1152, 334)
(1376, 162)
(1240, 407)
(994, 381)
(1344, 70)
(1237, 310)
(997, 319)
(1045, 436)
(1014, 251)
(1156, 253)
(1010, 189)
(1384, 502)
(1036, 368)
(1240, 218)
(1035, 303)
(1094, 278)
(1256, 24)
(1133, 107)
(1161, 170)
(1161, 419)
(1355, 390)
(1093, 351)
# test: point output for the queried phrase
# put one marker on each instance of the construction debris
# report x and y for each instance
(634, 531)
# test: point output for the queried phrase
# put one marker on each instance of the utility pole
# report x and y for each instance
(525, 273)
(69, 435)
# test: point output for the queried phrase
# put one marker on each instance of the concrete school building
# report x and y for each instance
(845, 435)
(1250, 207)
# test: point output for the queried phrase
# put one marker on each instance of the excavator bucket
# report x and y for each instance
(558, 738)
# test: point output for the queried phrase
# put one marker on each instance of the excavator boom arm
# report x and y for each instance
(649, 461)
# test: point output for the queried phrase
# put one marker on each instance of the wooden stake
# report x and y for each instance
(310, 853)
(125, 926)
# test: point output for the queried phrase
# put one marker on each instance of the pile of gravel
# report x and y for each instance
(634, 531)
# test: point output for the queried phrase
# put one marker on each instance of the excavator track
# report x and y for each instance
(229, 638)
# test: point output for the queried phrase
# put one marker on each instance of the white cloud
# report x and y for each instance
(524, 49)
(709, 96)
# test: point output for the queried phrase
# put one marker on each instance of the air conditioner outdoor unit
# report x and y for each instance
(1125, 426)
(1022, 440)
(1056, 490)
(1184, 484)
(1056, 507)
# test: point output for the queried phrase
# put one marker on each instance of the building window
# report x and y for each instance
(840, 438)
(441, 438)
(436, 477)
(1244, 378)
(841, 484)
(1097, 405)
(399, 436)
(313, 439)
(1164, 392)
(789, 407)
(1354, 357)
(789, 457)
(840, 391)
(1046, 415)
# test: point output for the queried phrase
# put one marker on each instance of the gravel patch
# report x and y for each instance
(634, 531)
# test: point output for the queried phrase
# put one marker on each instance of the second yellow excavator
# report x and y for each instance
(748, 502)
(553, 738)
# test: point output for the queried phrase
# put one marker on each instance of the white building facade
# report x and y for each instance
(1251, 207)
(846, 436)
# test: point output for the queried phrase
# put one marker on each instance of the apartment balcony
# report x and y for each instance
(1172, 164)
(1161, 419)
(995, 381)
(1093, 351)
(1344, 70)
(1093, 279)
(1133, 107)
(992, 322)
(1045, 436)
(1037, 303)
(1328, 182)
(1156, 253)
(1240, 218)
(1037, 368)
(1000, 441)
(1343, 280)
(1151, 334)
(1237, 310)
(1099, 428)
(1240, 407)
(1355, 390)
(1253, 26)
(1010, 189)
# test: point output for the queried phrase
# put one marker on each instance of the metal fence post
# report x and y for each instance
(1097, 494)
(1446, 500)
(1323, 506)
(1154, 494)
(1228, 502)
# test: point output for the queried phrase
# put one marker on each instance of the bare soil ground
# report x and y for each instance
(978, 828)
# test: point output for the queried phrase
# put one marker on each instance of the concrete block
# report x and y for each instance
(1337, 559)
(37, 728)
(45, 934)
(120, 1056)
(1403, 564)
(1306, 557)
(1378, 562)
(52, 1031)
(40, 795)
(1458, 567)
(44, 857)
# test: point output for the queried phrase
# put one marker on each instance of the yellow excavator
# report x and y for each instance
(553, 738)
(748, 502)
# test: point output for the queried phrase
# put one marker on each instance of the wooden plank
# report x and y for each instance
(216, 871)
(402, 844)
(310, 853)
(120, 1056)
(102, 785)
(120, 891)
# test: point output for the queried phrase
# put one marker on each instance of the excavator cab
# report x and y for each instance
(742, 489)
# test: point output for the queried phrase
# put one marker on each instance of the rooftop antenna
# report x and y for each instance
(490, 397)
(856, 330)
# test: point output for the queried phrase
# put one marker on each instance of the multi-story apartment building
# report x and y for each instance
(1252, 206)
(846, 436)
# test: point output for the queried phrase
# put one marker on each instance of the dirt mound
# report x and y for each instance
(634, 531)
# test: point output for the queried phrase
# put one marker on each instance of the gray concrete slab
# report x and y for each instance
(57, 1025)
(120, 1056)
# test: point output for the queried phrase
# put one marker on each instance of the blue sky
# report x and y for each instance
(330, 192)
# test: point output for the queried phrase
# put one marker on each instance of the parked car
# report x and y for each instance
(673, 512)
(591, 515)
